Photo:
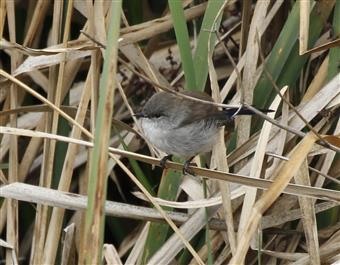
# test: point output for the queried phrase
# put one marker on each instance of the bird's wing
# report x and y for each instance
(197, 111)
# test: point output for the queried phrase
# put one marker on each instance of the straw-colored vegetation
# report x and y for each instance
(79, 183)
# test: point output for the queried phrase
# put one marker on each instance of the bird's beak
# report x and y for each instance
(139, 115)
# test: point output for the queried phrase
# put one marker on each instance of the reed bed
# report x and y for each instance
(80, 184)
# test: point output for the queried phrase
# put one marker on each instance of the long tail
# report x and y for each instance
(243, 111)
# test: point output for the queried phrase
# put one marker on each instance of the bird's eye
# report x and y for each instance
(157, 115)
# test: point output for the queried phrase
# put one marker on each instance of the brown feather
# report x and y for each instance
(197, 111)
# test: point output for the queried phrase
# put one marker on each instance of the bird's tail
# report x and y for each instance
(243, 111)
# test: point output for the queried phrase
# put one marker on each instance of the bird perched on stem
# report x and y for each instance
(183, 127)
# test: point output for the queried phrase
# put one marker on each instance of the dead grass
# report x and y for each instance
(272, 199)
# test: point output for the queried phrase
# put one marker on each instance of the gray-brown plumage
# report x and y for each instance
(184, 127)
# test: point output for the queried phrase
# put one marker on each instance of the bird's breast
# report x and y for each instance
(185, 141)
(156, 133)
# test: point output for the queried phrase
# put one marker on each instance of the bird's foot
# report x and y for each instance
(163, 161)
(186, 170)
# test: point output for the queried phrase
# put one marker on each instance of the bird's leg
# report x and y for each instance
(186, 168)
(163, 160)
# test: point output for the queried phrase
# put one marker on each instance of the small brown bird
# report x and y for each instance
(184, 127)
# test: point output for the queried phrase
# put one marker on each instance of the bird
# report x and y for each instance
(183, 127)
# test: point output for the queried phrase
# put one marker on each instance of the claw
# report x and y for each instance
(163, 160)
(186, 169)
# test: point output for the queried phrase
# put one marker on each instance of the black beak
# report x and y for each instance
(139, 115)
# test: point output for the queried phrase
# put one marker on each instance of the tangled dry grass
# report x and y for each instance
(267, 194)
